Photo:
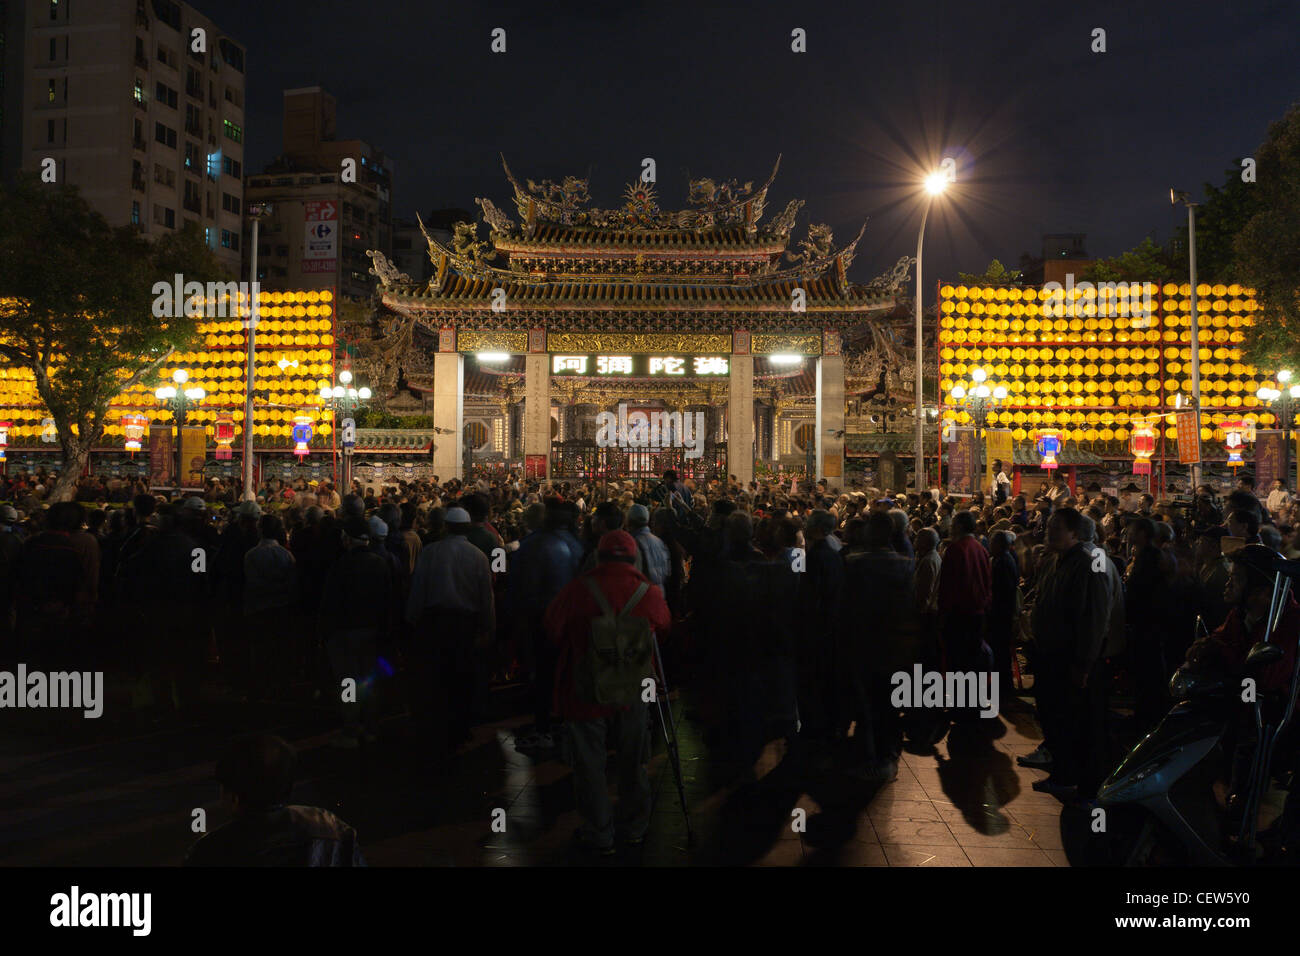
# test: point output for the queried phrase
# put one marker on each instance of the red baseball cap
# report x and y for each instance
(616, 544)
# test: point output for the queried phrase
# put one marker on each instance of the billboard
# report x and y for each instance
(320, 236)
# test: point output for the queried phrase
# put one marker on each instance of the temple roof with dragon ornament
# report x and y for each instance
(563, 266)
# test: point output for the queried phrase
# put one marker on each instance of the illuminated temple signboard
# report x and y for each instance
(647, 366)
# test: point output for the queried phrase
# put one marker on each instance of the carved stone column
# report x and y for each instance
(449, 414)
(740, 419)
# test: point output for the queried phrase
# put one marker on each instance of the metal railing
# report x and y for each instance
(583, 458)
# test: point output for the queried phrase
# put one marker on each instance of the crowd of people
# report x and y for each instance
(784, 610)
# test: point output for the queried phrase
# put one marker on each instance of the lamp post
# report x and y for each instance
(346, 398)
(178, 398)
(1281, 399)
(1175, 197)
(935, 183)
(256, 212)
(980, 400)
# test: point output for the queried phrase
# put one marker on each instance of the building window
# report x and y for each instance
(229, 240)
(54, 9)
(230, 203)
(165, 135)
(191, 157)
(232, 167)
(164, 216)
(233, 132)
(165, 94)
(51, 91)
(53, 54)
(135, 212)
(163, 175)
(138, 92)
(49, 131)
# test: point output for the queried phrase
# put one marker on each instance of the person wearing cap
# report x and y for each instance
(593, 728)
(655, 560)
(356, 609)
(452, 612)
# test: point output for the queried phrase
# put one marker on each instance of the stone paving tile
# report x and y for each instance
(914, 833)
(1004, 856)
(925, 855)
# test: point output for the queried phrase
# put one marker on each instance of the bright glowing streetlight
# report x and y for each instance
(935, 183)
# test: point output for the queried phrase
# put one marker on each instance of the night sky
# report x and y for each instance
(1049, 136)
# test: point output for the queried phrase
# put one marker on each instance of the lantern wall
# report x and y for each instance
(1090, 361)
(295, 326)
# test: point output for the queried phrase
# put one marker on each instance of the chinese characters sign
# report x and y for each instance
(648, 366)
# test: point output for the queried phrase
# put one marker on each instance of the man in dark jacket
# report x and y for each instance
(356, 610)
(879, 636)
(593, 727)
(820, 588)
(1071, 621)
(539, 569)
(256, 775)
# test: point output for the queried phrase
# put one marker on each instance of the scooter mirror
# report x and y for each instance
(1261, 655)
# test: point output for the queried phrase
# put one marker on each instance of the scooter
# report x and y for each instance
(1159, 802)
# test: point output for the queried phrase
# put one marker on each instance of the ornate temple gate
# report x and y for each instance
(635, 280)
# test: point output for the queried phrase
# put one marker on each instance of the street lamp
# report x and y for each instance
(345, 398)
(257, 211)
(178, 398)
(979, 400)
(1175, 197)
(935, 184)
(1281, 399)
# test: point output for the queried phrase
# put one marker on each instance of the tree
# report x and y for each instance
(1146, 262)
(77, 308)
(1267, 249)
(1219, 221)
(995, 274)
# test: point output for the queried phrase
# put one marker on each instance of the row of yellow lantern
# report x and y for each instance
(1085, 291)
(1205, 336)
(218, 356)
(1095, 312)
(1119, 433)
(987, 354)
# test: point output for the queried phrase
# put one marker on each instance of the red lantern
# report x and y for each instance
(4, 438)
(302, 435)
(225, 429)
(133, 426)
(1143, 445)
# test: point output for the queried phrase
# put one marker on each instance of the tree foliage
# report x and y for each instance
(1146, 262)
(995, 274)
(77, 307)
(1267, 249)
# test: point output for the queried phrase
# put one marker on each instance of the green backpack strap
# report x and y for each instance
(635, 599)
(599, 595)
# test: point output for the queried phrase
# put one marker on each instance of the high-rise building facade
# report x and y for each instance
(330, 201)
(140, 104)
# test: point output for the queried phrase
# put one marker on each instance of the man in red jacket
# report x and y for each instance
(593, 727)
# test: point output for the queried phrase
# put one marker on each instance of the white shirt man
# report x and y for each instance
(1001, 488)
(1279, 499)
